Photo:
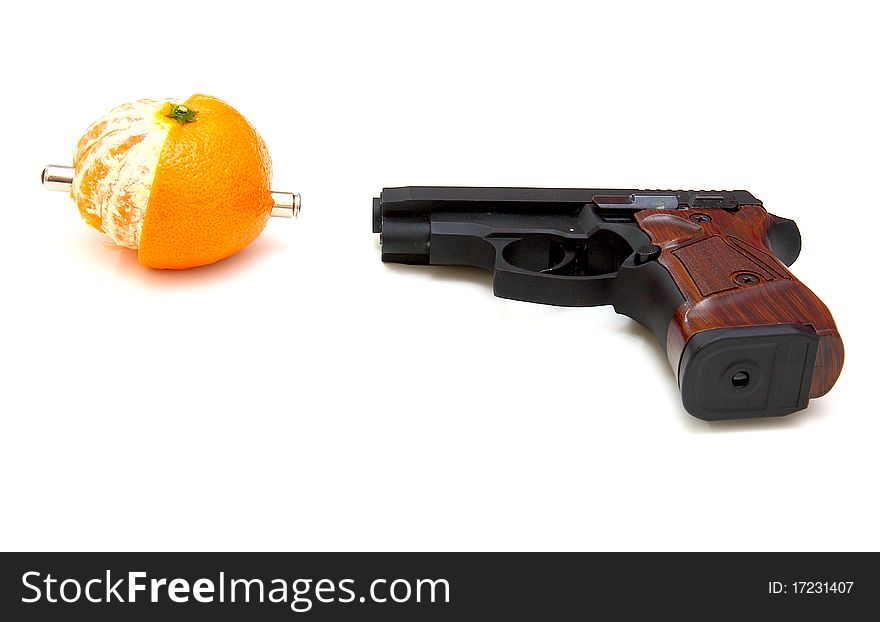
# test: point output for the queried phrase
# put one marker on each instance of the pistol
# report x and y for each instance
(705, 271)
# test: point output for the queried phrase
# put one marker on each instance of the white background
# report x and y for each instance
(302, 395)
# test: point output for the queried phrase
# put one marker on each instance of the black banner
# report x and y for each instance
(432, 586)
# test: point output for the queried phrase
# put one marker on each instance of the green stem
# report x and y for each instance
(182, 114)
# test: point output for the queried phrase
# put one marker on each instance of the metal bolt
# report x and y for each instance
(286, 204)
(58, 178)
(746, 278)
(55, 177)
(700, 218)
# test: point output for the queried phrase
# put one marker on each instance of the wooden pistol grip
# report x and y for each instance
(722, 263)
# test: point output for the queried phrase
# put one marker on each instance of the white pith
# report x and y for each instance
(130, 172)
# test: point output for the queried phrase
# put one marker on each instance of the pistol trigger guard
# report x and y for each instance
(528, 268)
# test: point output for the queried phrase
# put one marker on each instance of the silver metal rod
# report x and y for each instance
(60, 178)
(286, 204)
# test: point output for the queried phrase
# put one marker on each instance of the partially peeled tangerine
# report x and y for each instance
(184, 183)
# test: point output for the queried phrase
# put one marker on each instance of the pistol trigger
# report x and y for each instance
(562, 262)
